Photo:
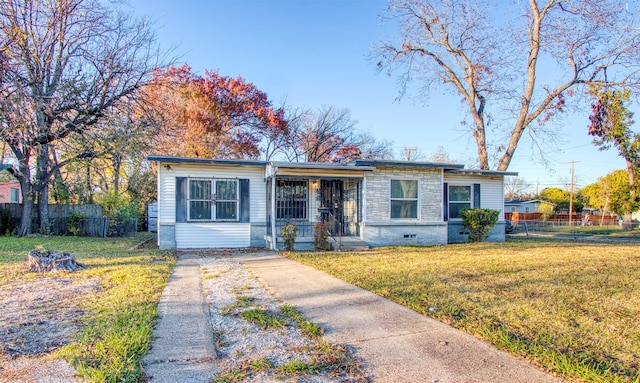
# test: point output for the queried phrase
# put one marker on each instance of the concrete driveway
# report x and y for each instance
(394, 343)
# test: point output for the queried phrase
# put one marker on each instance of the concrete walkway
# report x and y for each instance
(182, 348)
(395, 343)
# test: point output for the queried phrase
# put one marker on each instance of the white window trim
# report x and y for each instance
(212, 184)
(418, 199)
(449, 199)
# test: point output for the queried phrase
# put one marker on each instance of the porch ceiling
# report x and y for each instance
(319, 170)
(318, 173)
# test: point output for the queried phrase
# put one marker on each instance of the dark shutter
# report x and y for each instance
(476, 195)
(244, 200)
(181, 199)
(445, 201)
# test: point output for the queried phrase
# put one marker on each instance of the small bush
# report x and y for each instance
(74, 222)
(289, 232)
(7, 224)
(479, 221)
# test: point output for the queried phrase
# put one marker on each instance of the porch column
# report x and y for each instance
(274, 234)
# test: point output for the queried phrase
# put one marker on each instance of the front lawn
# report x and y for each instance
(118, 316)
(570, 307)
(595, 231)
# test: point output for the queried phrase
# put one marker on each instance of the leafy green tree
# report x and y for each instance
(546, 210)
(562, 199)
(614, 190)
(594, 196)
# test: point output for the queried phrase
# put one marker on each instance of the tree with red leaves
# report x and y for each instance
(610, 125)
(213, 115)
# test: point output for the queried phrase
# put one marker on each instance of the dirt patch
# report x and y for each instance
(38, 317)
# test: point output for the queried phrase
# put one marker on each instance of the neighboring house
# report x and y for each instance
(9, 186)
(524, 206)
(209, 203)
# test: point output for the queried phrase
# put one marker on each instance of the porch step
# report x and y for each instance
(347, 244)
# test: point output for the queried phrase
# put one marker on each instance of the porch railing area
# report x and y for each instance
(305, 228)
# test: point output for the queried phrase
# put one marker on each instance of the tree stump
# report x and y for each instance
(52, 260)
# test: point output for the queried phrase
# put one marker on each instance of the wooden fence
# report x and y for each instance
(92, 224)
(560, 219)
(55, 210)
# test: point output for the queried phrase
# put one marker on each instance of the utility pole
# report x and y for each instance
(407, 153)
(571, 193)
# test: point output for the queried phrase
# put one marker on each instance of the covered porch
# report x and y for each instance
(304, 194)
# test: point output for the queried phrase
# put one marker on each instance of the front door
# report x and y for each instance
(331, 205)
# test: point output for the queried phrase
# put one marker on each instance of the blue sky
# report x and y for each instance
(317, 52)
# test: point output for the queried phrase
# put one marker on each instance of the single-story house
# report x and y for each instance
(9, 186)
(524, 206)
(215, 203)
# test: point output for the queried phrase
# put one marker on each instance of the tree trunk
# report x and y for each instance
(60, 190)
(28, 197)
(627, 222)
(44, 226)
(88, 184)
(42, 188)
(27, 208)
(117, 164)
(48, 261)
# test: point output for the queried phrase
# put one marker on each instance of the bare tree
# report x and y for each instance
(496, 64)
(373, 148)
(330, 135)
(67, 62)
(516, 188)
(441, 155)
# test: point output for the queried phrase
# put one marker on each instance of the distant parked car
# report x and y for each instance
(508, 227)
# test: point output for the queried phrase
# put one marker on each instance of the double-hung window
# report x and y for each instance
(213, 200)
(460, 198)
(404, 199)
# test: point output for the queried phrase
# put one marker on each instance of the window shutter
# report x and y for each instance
(181, 199)
(244, 200)
(445, 201)
(476, 195)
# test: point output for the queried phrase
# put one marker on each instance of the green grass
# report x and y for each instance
(325, 357)
(242, 301)
(263, 318)
(230, 376)
(570, 307)
(116, 329)
(308, 329)
(607, 231)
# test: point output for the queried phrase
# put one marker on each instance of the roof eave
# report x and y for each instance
(481, 172)
(204, 161)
